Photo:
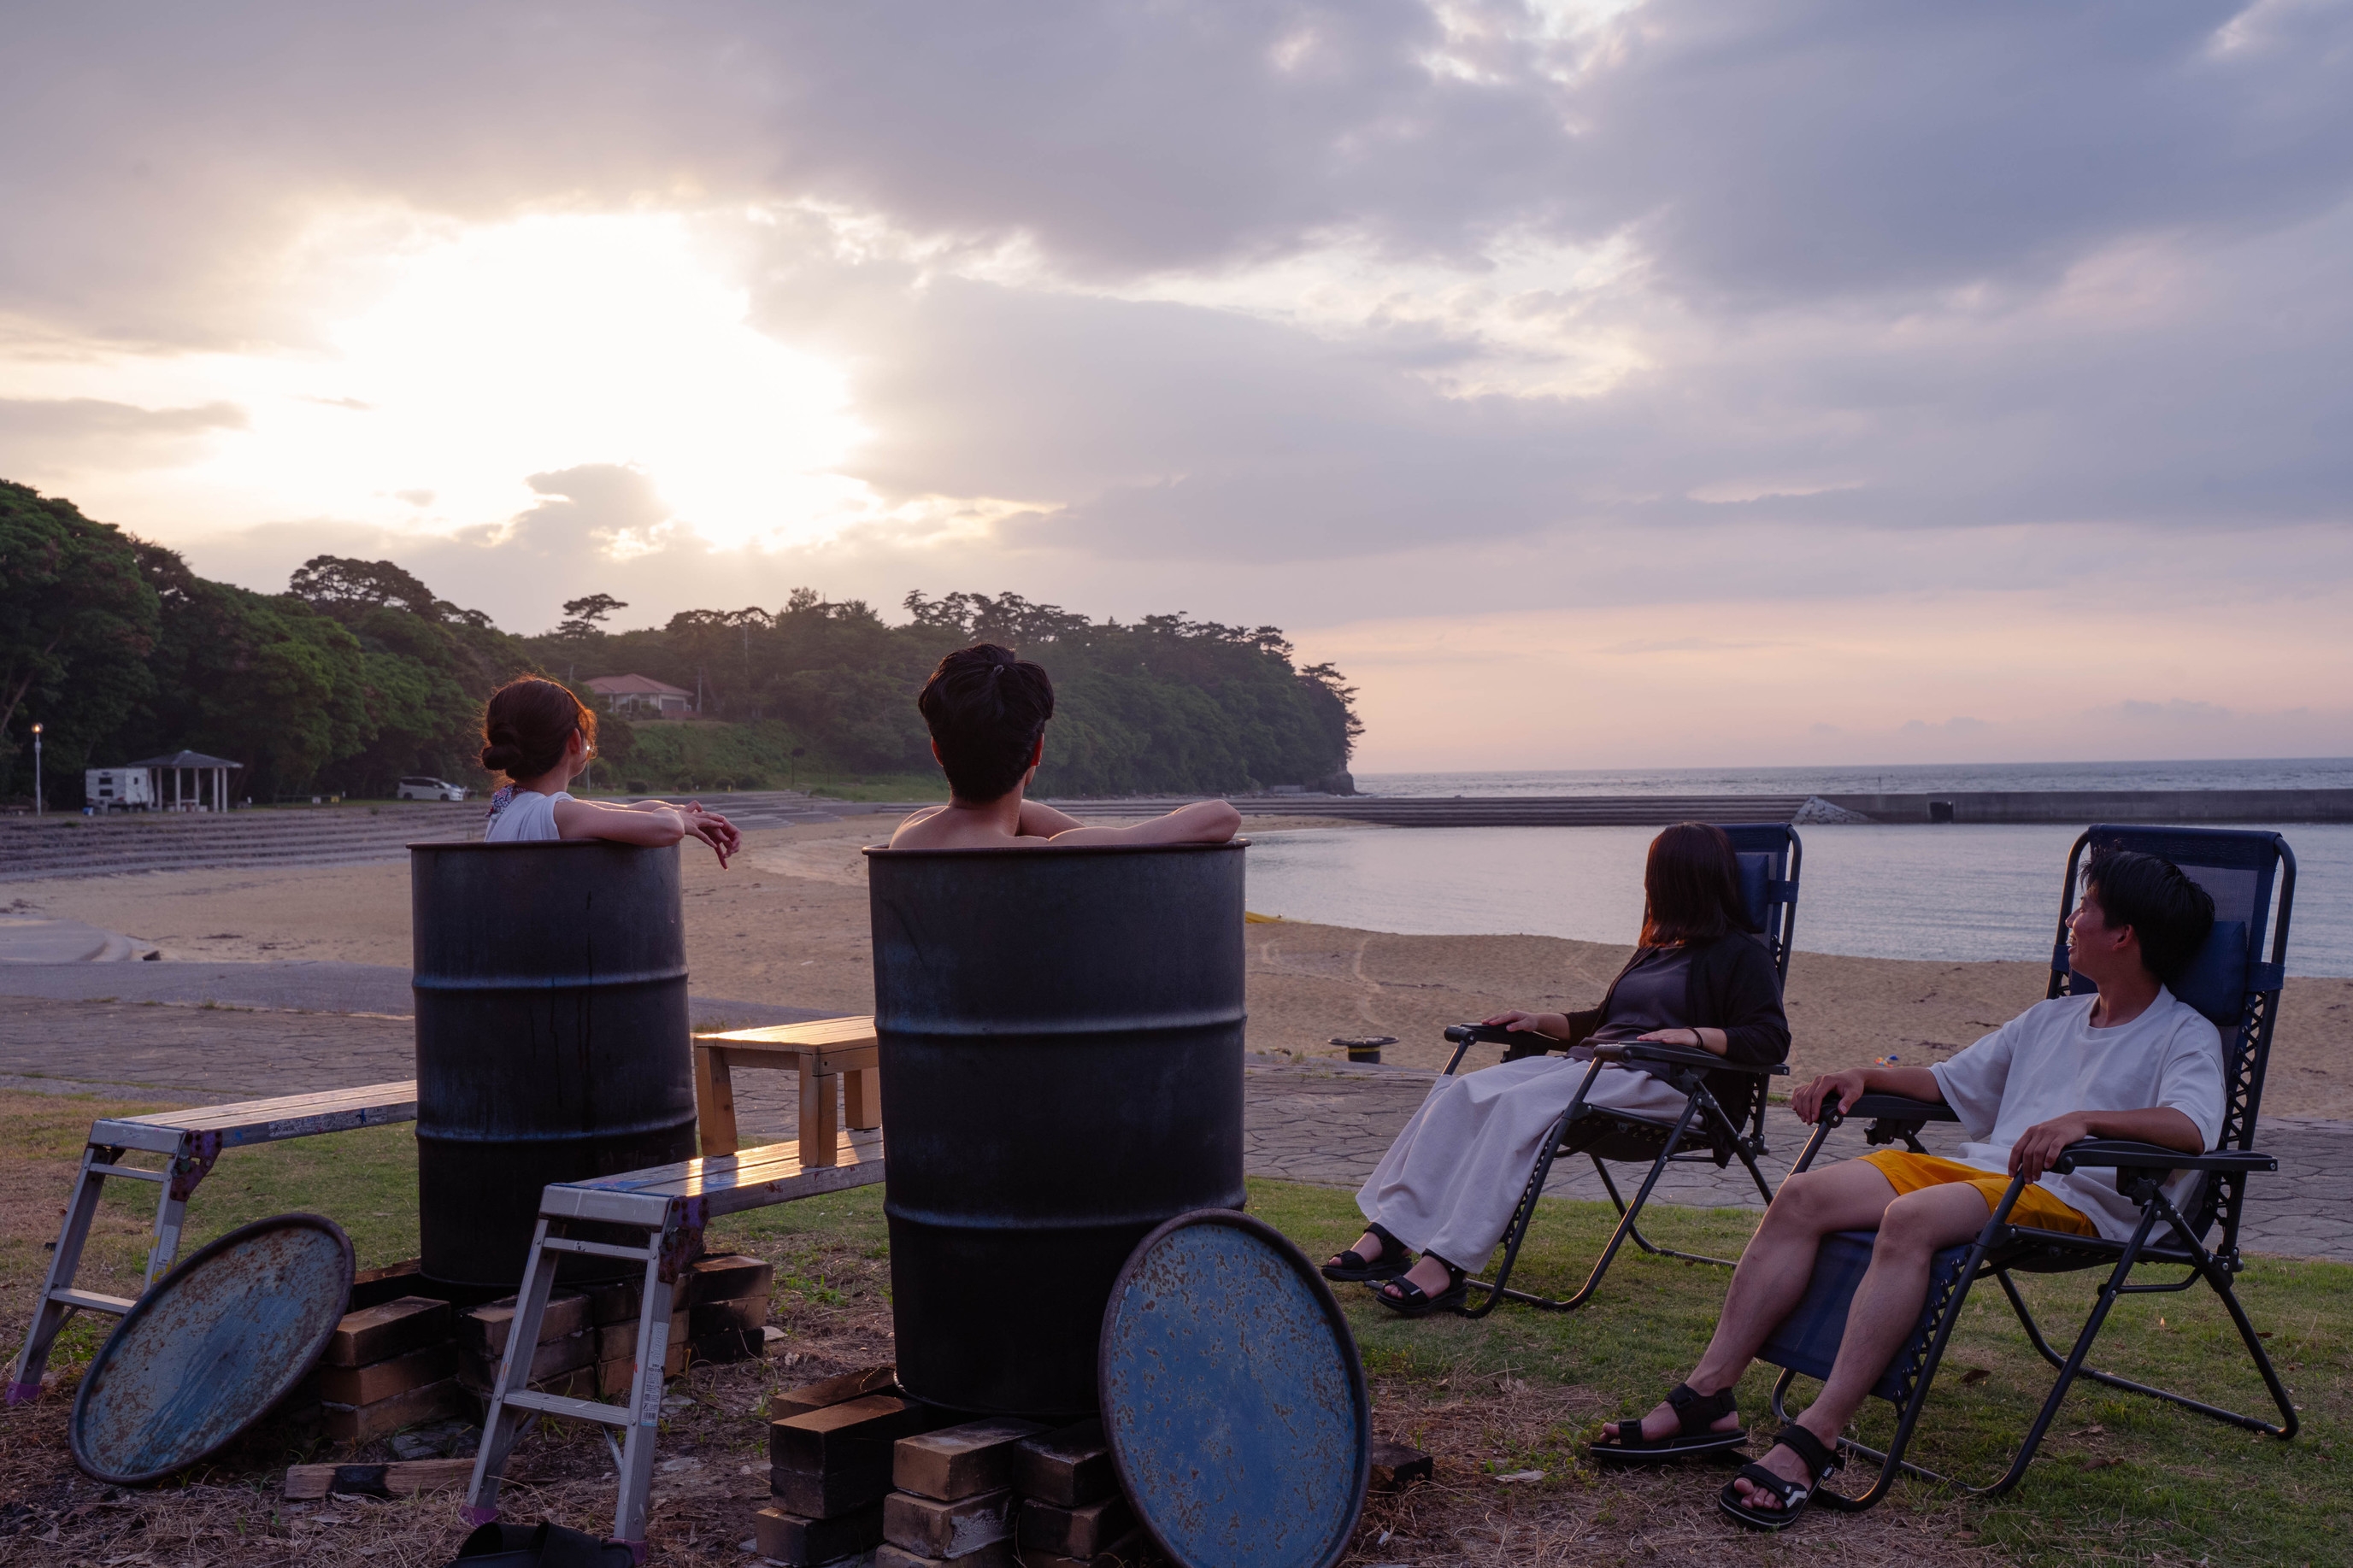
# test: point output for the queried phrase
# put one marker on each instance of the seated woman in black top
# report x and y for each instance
(1449, 1185)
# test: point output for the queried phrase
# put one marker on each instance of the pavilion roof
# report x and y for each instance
(183, 759)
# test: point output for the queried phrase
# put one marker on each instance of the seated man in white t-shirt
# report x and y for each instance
(2132, 1062)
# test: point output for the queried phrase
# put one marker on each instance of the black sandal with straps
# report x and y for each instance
(1822, 1463)
(1408, 1299)
(1349, 1267)
(1696, 1415)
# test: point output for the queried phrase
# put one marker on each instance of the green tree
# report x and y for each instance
(78, 623)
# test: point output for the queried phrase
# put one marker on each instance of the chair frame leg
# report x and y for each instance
(1525, 1214)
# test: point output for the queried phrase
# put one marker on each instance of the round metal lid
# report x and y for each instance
(1233, 1397)
(211, 1348)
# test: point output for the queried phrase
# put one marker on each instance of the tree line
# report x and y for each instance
(359, 674)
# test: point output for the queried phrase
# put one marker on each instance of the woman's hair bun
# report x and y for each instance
(501, 758)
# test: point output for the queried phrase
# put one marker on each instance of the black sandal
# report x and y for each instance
(1696, 1413)
(1349, 1267)
(1822, 1463)
(1412, 1301)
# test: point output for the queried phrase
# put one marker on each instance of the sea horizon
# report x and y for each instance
(1909, 778)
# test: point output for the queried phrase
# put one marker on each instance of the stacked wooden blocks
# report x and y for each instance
(562, 1362)
(588, 1337)
(956, 1500)
(830, 1463)
(388, 1366)
(1073, 1515)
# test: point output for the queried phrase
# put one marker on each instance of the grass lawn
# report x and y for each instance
(2121, 1479)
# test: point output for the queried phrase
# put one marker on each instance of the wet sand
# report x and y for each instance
(787, 925)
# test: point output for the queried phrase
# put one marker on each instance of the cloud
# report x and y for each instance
(39, 436)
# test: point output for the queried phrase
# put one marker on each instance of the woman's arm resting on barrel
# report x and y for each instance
(657, 828)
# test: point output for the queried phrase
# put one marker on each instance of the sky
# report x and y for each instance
(1679, 383)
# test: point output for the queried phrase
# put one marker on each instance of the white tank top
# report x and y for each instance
(528, 818)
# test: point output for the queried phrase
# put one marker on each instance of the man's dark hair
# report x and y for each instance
(986, 708)
(2171, 914)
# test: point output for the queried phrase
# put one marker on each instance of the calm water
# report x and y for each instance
(1958, 892)
(2258, 772)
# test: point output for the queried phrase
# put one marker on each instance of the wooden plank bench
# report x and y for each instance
(669, 1204)
(188, 1141)
(821, 1050)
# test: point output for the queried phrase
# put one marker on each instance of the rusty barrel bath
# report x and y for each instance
(1061, 1056)
(551, 1037)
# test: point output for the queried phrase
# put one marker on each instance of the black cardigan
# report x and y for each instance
(1731, 985)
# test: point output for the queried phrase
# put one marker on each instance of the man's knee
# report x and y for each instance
(1801, 1205)
(1926, 1220)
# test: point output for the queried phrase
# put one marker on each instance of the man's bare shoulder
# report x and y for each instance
(937, 828)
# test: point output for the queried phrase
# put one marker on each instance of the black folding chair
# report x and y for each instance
(1708, 1129)
(2231, 983)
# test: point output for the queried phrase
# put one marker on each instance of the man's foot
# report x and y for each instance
(1783, 1461)
(1663, 1423)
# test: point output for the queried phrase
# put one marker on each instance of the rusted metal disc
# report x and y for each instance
(1233, 1397)
(211, 1347)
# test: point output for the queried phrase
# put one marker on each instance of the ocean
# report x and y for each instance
(1953, 892)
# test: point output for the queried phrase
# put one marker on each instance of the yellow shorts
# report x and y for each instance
(2038, 1207)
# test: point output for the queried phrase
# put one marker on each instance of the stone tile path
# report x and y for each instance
(1322, 1124)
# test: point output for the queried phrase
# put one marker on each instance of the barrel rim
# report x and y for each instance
(531, 843)
(1042, 851)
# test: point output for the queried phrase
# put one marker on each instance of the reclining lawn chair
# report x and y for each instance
(2231, 983)
(1708, 1129)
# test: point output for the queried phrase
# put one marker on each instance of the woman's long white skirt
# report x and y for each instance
(1450, 1181)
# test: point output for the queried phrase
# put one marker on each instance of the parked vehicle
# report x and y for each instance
(119, 789)
(422, 788)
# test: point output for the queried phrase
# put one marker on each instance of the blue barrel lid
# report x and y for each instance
(1233, 1397)
(208, 1351)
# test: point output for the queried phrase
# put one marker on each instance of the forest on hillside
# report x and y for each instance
(359, 673)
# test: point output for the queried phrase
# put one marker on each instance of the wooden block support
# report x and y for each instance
(932, 1529)
(403, 1478)
(730, 1345)
(484, 1330)
(1397, 1467)
(620, 1339)
(800, 1542)
(960, 1461)
(614, 1300)
(1075, 1532)
(1068, 1469)
(808, 1495)
(548, 1358)
(359, 1424)
(375, 1287)
(805, 1397)
(719, 1317)
(728, 1279)
(859, 1432)
(382, 1380)
(997, 1554)
(379, 1333)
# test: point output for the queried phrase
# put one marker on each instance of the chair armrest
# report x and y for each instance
(1521, 1043)
(1680, 1056)
(2112, 1154)
(1898, 1108)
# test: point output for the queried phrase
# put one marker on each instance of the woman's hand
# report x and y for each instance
(1521, 1023)
(711, 828)
(1713, 1041)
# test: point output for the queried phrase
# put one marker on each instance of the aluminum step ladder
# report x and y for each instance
(189, 1141)
(671, 1205)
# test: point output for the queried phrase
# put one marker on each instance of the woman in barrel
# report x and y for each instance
(1449, 1185)
(541, 736)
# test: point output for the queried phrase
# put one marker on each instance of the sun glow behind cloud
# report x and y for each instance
(481, 355)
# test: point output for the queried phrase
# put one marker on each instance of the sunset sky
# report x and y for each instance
(1681, 382)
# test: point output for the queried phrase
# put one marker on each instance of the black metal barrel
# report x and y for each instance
(1061, 1056)
(551, 1037)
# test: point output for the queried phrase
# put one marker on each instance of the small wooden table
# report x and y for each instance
(822, 1049)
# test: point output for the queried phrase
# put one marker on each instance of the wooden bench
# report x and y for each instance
(189, 1141)
(669, 1204)
(821, 1050)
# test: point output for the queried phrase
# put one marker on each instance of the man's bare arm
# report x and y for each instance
(1203, 822)
(1040, 820)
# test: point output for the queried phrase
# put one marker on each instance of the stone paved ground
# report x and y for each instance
(1317, 1124)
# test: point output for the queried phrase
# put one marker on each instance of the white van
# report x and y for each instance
(421, 788)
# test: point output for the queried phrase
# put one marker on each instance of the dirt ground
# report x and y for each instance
(787, 925)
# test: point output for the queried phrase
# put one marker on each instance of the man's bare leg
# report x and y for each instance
(1884, 1312)
(1774, 1270)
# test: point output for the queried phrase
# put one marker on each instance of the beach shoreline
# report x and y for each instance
(787, 925)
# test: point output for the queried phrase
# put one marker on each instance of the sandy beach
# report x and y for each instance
(787, 925)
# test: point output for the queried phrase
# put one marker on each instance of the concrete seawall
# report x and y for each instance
(2081, 807)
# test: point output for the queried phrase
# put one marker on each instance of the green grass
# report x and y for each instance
(2123, 1477)
(2153, 1478)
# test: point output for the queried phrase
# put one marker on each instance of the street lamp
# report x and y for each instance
(36, 768)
